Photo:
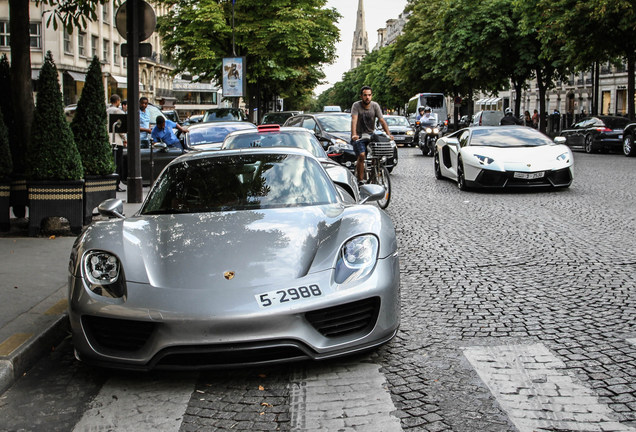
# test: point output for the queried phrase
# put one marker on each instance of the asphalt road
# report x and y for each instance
(518, 314)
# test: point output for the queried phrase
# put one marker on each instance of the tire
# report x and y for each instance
(589, 144)
(628, 146)
(384, 180)
(438, 168)
(461, 179)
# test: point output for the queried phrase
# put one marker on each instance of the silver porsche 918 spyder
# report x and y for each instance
(236, 257)
(503, 156)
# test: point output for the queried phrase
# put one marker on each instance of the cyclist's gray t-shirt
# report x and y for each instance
(366, 117)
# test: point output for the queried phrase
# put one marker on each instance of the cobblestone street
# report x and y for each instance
(518, 314)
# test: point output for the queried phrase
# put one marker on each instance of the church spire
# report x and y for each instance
(360, 46)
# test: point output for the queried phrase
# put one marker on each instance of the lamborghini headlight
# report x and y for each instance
(565, 157)
(103, 274)
(357, 258)
(484, 160)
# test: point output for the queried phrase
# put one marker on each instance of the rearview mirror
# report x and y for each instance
(560, 140)
(371, 192)
(160, 146)
(112, 208)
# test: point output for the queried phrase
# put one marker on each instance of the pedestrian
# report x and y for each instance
(535, 119)
(119, 139)
(162, 132)
(363, 116)
(124, 105)
(144, 123)
(527, 120)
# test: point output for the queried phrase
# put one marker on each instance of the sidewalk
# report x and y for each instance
(33, 290)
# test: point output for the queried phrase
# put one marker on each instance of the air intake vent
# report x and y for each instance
(346, 319)
(117, 334)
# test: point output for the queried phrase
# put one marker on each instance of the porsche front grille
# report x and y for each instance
(346, 319)
(117, 334)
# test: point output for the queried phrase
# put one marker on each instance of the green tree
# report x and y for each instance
(89, 125)
(69, 13)
(284, 42)
(53, 154)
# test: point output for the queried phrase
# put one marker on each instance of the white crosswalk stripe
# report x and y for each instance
(534, 388)
(125, 404)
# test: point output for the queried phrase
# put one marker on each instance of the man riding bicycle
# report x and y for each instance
(363, 115)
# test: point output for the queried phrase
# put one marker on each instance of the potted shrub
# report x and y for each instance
(6, 166)
(54, 169)
(90, 131)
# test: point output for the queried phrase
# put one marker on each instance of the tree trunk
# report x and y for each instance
(542, 91)
(518, 85)
(630, 85)
(22, 92)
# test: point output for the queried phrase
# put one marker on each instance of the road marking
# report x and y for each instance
(533, 387)
(349, 396)
(58, 308)
(139, 403)
(13, 342)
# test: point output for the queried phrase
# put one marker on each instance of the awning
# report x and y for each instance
(492, 100)
(77, 76)
(122, 81)
(480, 101)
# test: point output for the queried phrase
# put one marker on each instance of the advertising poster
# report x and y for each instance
(233, 76)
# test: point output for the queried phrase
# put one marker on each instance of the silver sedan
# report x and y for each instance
(236, 257)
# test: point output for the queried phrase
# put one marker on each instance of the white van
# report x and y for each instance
(437, 102)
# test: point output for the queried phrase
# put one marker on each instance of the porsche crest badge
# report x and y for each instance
(228, 275)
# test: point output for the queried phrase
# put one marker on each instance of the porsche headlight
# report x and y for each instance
(357, 258)
(484, 160)
(565, 157)
(103, 274)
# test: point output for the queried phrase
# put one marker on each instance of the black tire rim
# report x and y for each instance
(588, 144)
(461, 181)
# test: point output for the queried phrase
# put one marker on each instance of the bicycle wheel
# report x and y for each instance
(383, 179)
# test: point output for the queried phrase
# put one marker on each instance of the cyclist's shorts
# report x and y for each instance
(359, 146)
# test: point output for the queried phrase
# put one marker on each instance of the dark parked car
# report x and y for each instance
(401, 129)
(224, 114)
(597, 133)
(334, 129)
(629, 135)
(203, 136)
(278, 117)
(171, 115)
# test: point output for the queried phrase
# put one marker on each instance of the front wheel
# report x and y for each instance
(589, 147)
(438, 169)
(628, 146)
(461, 179)
(384, 180)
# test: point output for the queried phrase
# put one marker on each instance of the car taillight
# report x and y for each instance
(603, 129)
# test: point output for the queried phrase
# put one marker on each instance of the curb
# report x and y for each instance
(23, 358)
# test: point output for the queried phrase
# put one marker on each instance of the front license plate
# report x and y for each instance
(398, 138)
(529, 176)
(283, 296)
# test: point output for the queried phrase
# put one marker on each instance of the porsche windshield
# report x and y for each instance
(240, 182)
(508, 137)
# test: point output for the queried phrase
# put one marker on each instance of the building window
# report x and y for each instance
(81, 44)
(35, 30)
(94, 43)
(116, 54)
(68, 43)
(106, 12)
(106, 50)
(4, 34)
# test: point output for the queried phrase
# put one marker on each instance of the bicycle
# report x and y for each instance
(378, 149)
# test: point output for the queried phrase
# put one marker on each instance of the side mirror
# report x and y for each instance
(160, 146)
(560, 140)
(371, 193)
(112, 208)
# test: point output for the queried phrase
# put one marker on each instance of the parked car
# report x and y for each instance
(400, 128)
(297, 137)
(487, 118)
(224, 114)
(464, 121)
(334, 129)
(210, 136)
(236, 257)
(596, 133)
(171, 115)
(204, 136)
(278, 117)
(629, 136)
(503, 157)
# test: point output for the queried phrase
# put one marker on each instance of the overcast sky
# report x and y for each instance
(376, 13)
